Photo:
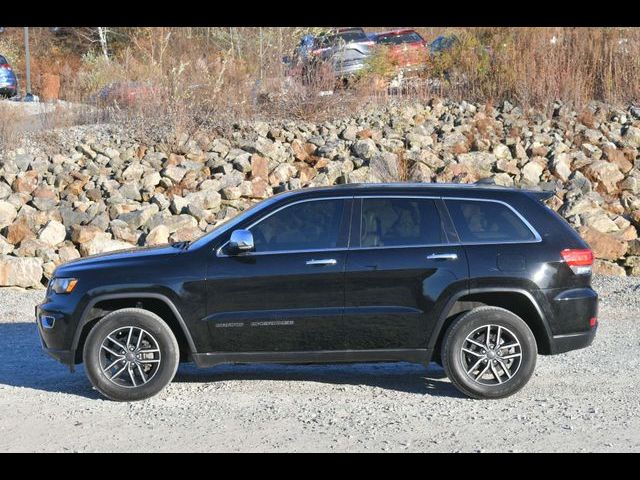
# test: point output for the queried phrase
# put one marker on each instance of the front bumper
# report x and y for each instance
(67, 357)
(56, 336)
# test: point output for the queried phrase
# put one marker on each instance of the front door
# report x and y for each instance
(287, 295)
(400, 271)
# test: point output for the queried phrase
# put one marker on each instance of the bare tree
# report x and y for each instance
(102, 36)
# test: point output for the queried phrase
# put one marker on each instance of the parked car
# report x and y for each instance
(406, 47)
(479, 278)
(126, 94)
(8, 79)
(345, 50)
(443, 43)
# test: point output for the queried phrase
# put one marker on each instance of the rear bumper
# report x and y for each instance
(573, 341)
(340, 70)
(572, 311)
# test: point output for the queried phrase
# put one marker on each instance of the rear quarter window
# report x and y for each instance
(487, 221)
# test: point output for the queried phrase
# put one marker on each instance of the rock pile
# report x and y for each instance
(104, 191)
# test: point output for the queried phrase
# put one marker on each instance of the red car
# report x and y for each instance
(127, 94)
(406, 47)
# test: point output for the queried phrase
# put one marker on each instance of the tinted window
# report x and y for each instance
(409, 37)
(487, 222)
(399, 222)
(302, 226)
(3, 61)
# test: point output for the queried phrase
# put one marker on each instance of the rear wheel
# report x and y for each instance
(131, 354)
(489, 352)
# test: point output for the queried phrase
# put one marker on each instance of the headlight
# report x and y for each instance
(63, 285)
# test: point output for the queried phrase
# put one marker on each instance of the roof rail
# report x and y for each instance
(487, 182)
(541, 195)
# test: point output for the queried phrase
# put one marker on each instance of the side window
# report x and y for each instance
(303, 226)
(478, 221)
(400, 222)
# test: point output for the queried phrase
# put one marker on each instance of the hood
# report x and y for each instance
(115, 259)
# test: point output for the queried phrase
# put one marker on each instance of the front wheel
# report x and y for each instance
(489, 352)
(131, 354)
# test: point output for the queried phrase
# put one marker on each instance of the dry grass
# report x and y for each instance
(214, 77)
(537, 66)
(10, 120)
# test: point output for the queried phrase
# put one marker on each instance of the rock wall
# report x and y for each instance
(104, 191)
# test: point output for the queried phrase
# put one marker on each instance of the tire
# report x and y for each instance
(507, 370)
(154, 359)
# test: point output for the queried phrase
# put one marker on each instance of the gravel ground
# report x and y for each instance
(587, 400)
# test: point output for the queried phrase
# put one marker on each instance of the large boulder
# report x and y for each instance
(5, 247)
(158, 235)
(365, 149)
(20, 271)
(604, 246)
(208, 199)
(140, 217)
(53, 233)
(631, 137)
(561, 166)
(101, 244)
(531, 172)
(606, 174)
(8, 213)
(603, 267)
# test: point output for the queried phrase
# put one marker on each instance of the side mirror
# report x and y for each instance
(241, 241)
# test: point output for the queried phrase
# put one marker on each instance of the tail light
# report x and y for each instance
(593, 322)
(579, 260)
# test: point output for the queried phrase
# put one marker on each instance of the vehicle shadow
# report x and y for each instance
(24, 364)
(399, 376)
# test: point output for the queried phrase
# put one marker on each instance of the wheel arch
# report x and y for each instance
(155, 302)
(518, 301)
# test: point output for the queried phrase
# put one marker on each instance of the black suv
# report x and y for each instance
(480, 279)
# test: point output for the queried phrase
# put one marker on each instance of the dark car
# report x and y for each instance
(443, 43)
(406, 47)
(8, 80)
(478, 278)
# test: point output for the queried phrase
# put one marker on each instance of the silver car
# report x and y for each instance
(346, 49)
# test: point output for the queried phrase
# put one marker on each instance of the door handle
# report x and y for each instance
(443, 256)
(324, 261)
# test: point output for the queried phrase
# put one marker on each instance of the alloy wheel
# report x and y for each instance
(491, 355)
(129, 356)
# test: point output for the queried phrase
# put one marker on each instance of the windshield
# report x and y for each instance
(232, 222)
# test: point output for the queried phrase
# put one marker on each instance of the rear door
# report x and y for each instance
(401, 268)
